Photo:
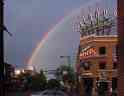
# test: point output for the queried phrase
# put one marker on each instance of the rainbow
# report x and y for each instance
(45, 37)
(42, 42)
(37, 48)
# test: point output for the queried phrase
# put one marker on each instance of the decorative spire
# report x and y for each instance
(84, 20)
(90, 18)
(95, 24)
(97, 13)
(105, 13)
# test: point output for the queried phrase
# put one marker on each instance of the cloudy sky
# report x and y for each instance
(29, 20)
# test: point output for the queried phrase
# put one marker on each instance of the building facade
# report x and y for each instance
(97, 60)
(9, 71)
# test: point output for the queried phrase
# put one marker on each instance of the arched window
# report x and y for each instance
(102, 50)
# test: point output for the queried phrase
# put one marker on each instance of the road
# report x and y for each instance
(51, 93)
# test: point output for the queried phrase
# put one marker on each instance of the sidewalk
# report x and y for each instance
(73, 92)
(18, 93)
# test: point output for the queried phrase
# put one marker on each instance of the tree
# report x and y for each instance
(35, 82)
(53, 84)
(65, 72)
(38, 81)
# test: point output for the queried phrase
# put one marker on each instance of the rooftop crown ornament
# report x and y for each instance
(96, 24)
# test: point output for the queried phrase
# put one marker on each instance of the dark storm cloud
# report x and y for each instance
(28, 20)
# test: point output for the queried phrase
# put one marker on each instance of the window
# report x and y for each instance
(114, 51)
(114, 65)
(81, 63)
(102, 65)
(102, 50)
(114, 83)
(87, 66)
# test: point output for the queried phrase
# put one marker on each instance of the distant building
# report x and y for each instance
(9, 71)
(29, 69)
(25, 69)
(97, 55)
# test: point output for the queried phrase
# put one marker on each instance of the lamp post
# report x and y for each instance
(1, 42)
(65, 75)
(68, 59)
(65, 80)
(1, 48)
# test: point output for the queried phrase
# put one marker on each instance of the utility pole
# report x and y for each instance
(120, 50)
(1, 48)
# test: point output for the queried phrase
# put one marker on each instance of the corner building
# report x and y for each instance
(97, 60)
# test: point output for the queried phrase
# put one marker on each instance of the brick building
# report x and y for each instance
(97, 57)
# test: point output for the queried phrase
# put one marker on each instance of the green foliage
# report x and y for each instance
(53, 83)
(38, 81)
(70, 73)
(35, 82)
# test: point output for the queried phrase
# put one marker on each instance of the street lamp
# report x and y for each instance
(65, 78)
(68, 59)
(17, 72)
(65, 72)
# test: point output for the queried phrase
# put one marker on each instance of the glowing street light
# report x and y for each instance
(17, 72)
(65, 72)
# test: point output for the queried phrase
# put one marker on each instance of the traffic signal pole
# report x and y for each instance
(1, 48)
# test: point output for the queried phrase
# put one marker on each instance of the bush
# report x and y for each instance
(38, 82)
